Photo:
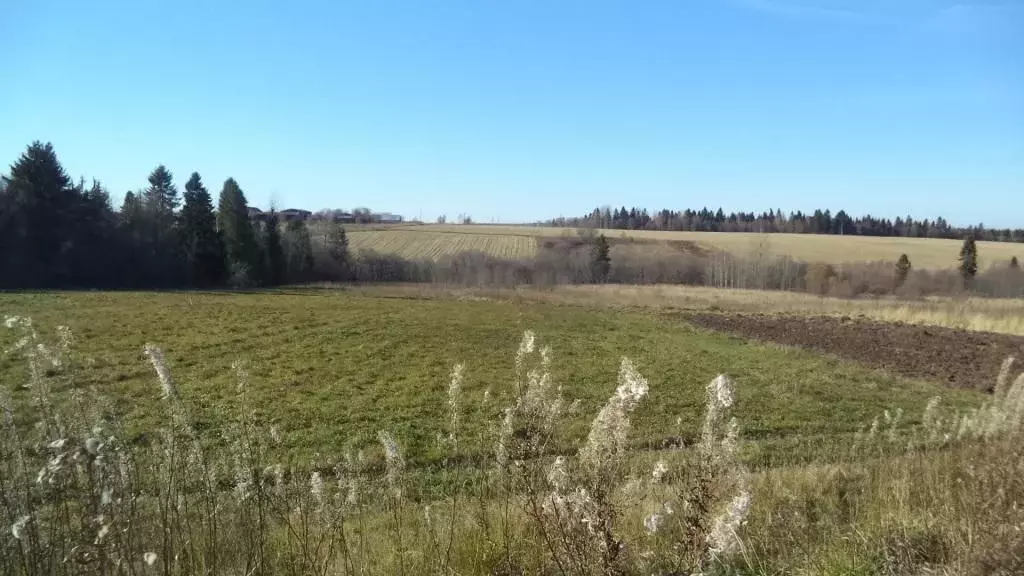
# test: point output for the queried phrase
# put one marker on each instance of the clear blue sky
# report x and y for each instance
(519, 110)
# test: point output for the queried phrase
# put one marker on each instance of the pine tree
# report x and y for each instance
(201, 243)
(298, 251)
(968, 259)
(275, 264)
(243, 256)
(601, 259)
(336, 242)
(162, 196)
(159, 201)
(36, 220)
(902, 269)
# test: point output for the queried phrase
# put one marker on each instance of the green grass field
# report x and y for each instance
(436, 240)
(331, 368)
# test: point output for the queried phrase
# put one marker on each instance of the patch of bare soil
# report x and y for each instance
(957, 358)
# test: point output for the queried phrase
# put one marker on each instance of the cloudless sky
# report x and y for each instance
(515, 110)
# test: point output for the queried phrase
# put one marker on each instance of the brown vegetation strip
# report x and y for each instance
(957, 358)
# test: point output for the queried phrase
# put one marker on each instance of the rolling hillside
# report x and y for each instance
(437, 240)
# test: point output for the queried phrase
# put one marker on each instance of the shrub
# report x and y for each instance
(818, 278)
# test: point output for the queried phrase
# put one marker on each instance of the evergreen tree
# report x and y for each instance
(36, 217)
(96, 250)
(201, 243)
(275, 264)
(237, 232)
(336, 242)
(968, 259)
(1014, 263)
(601, 259)
(902, 269)
(298, 251)
(131, 225)
(159, 201)
(162, 195)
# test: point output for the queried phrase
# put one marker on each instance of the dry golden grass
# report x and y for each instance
(1005, 316)
(416, 243)
(985, 314)
(924, 253)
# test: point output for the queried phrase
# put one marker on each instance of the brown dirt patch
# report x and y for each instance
(957, 358)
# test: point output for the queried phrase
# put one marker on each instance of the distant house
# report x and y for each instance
(388, 218)
(294, 214)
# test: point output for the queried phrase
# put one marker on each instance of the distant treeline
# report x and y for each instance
(775, 221)
(56, 233)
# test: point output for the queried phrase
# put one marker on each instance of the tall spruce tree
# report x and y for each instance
(968, 259)
(201, 243)
(243, 255)
(162, 195)
(601, 260)
(36, 218)
(159, 201)
(336, 265)
(336, 243)
(274, 252)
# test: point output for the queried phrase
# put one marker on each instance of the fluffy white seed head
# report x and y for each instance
(610, 429)
(316, 490)
(723, 538)
(454, 391)
(65, 338)
(660, 469)
(525, 348)
(156, 358)
(393, 461)
(17, 321)
(720, 394)
(558, 476)
(1003, 379)
(653, 522)
(18, 528)
(722, 390)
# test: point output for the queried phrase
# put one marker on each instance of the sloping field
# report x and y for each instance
(331, 368)
(417, 243)
(927, 253)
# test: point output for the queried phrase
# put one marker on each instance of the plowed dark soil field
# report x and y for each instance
(958, 358)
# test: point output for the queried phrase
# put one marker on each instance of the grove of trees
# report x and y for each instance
(56, 233)
(819, 222)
